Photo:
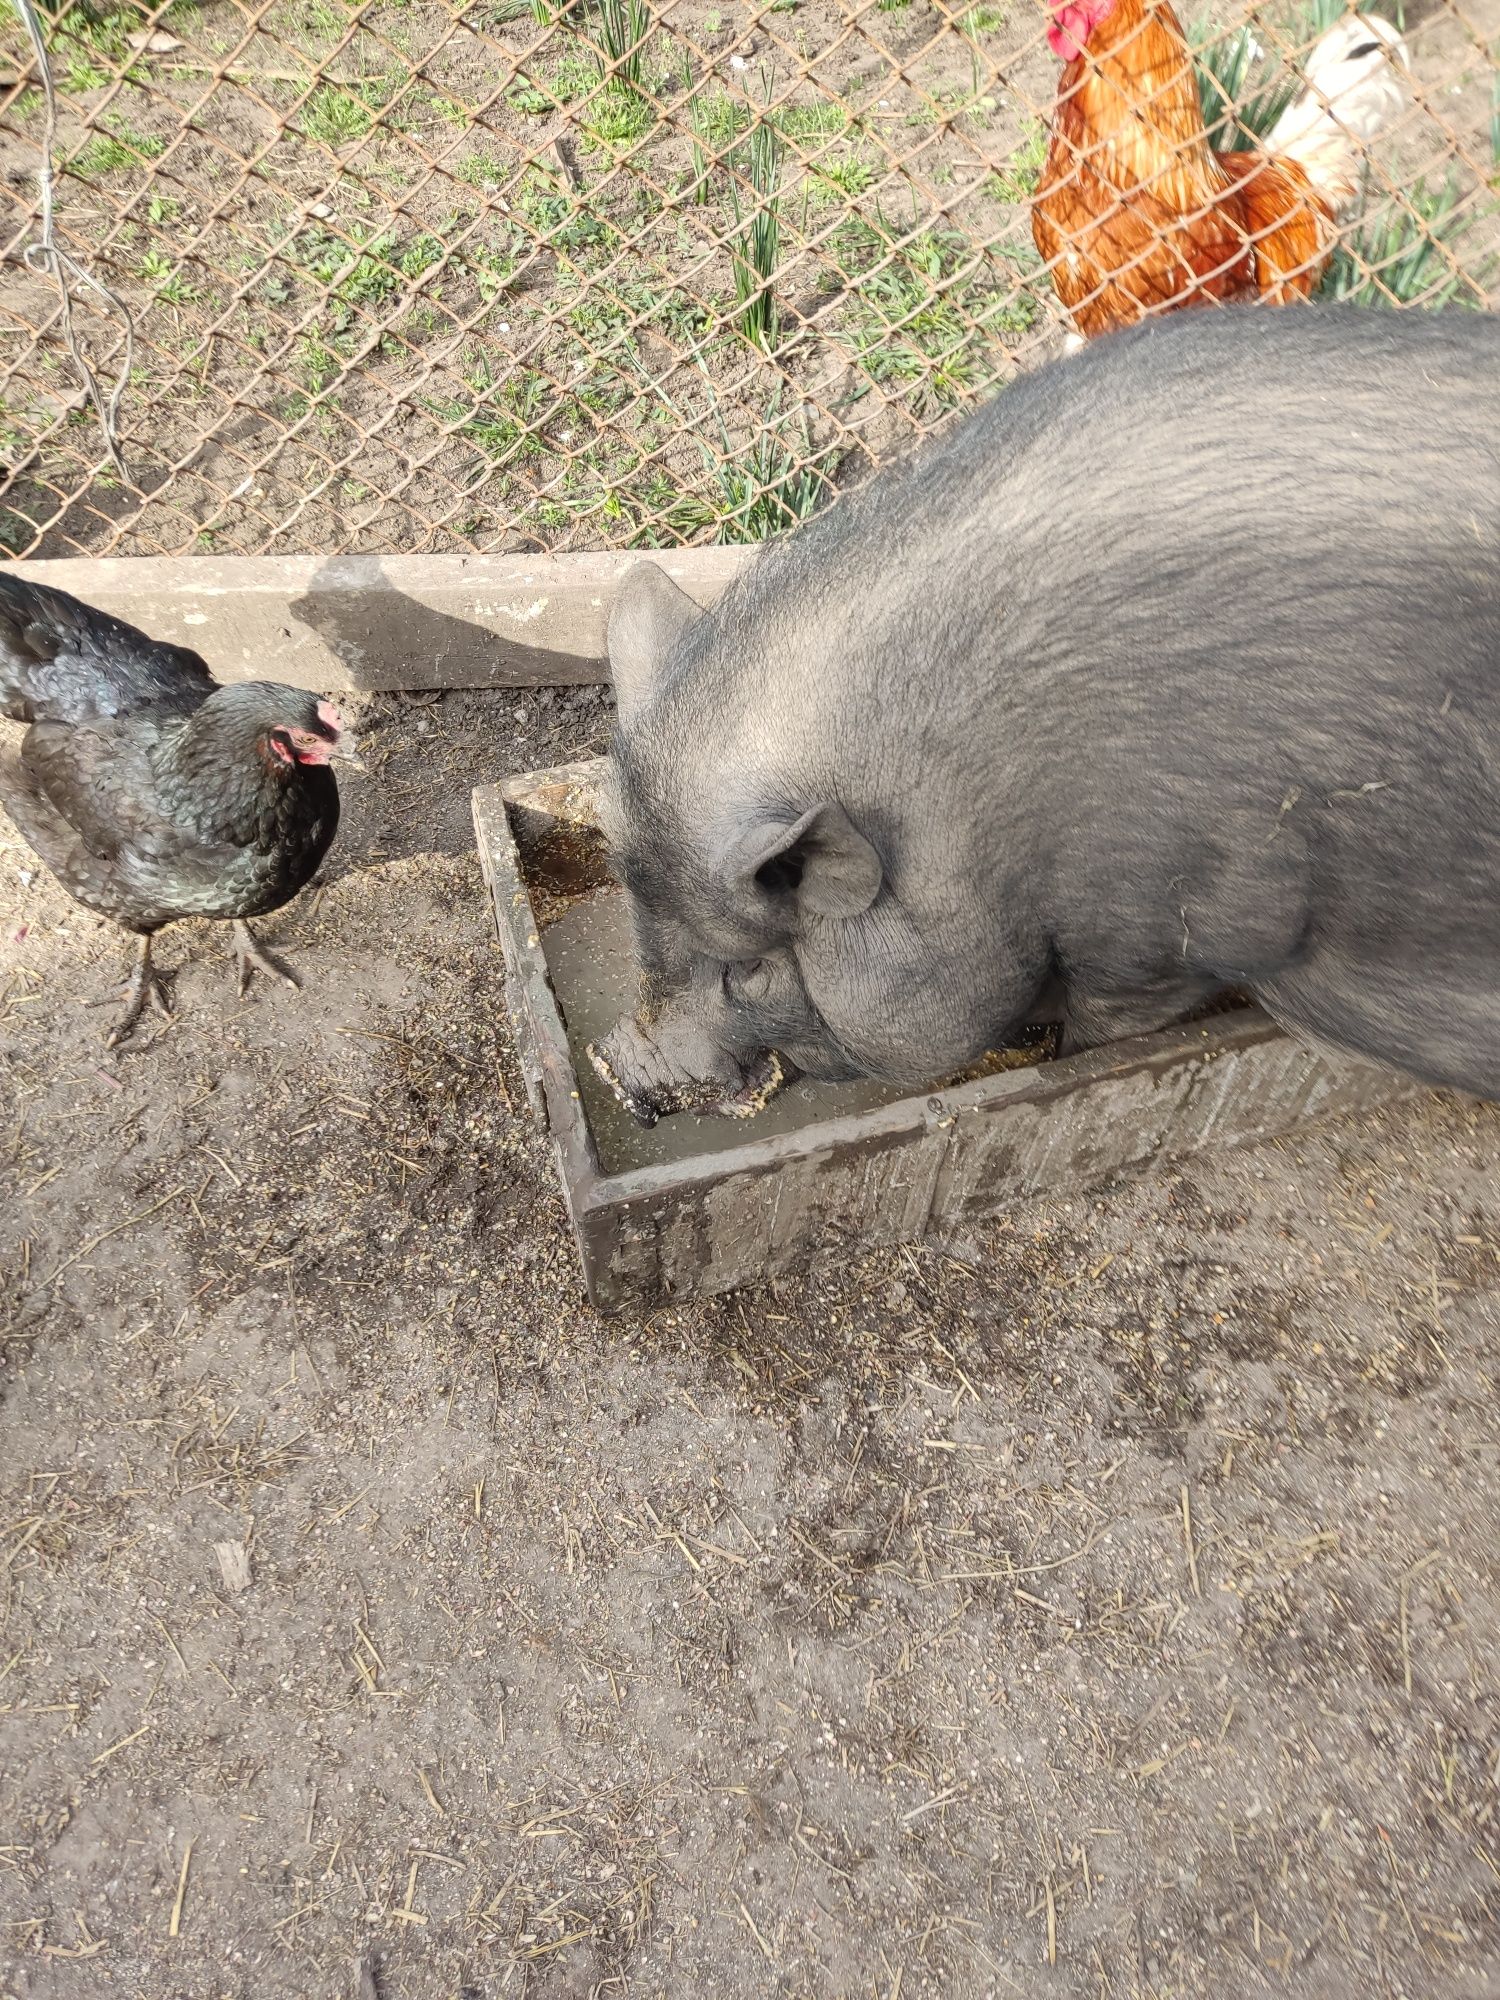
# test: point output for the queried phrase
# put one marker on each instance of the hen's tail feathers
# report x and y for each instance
(1356, 85)
(63, 661)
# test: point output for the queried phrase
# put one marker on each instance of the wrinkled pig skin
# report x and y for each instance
(1175, 667)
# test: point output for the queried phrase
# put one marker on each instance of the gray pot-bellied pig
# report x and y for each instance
(1176, 667)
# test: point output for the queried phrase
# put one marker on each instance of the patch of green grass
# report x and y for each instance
(903, 332)
(1403, 257)
(718, 119)
(680, 316)
(502, 419)
(773, 485)
(554, 513)
(167, 279)
(573, 76)
(854, 247)
(617, 117)
(811, 121)
(81, 74)
(529, 101)
(492, 270)
(108, 31)
(308, 24)
(339, 113)
(921, 318)
(606, 316)
(317, 364)
(541, 204)
(13, 439)
(1016, 180)
(754, 487)
(560, 221)
(334, 117)
(982, 21)
(450, 112)
(667, 516)
(357, 276)
(360, 274)
(17, 533)
(420, 255)
(162, 210)
(478, 170)
(756, 250)
(122, 146)
(842, 180)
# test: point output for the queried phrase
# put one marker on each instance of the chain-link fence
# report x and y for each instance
(571, 273)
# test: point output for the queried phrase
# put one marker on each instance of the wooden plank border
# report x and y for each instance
(335, 622)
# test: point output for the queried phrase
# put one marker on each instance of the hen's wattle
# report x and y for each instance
(149, 790)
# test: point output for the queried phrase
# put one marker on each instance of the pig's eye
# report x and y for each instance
(747, 979)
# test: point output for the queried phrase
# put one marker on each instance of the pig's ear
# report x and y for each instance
(648, 617)
(822, 864)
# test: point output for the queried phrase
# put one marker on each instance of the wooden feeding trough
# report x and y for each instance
(701, 1205)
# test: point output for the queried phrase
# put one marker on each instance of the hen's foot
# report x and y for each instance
(144, 990)
(250, 959)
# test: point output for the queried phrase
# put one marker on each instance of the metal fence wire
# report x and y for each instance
(545, 274)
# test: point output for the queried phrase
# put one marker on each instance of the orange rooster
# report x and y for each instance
(1136, 214)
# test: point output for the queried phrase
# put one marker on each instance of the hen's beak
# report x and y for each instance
(346, 751)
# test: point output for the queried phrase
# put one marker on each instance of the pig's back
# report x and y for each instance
(1212, 530)
(1254, 481)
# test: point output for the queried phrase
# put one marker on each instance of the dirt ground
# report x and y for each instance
(1108, 1610)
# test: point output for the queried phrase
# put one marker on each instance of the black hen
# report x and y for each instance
(150, 791)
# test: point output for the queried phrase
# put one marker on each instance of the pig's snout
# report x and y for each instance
(652, 1082)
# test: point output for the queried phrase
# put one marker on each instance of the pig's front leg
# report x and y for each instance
(1092, 1017)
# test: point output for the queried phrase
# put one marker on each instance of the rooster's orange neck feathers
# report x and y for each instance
(1129, 105)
